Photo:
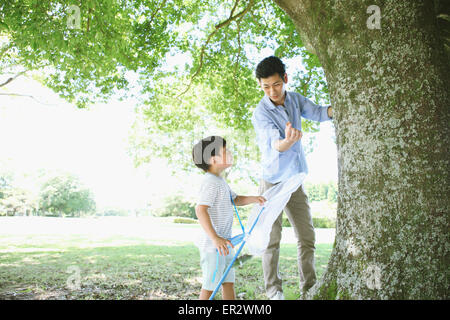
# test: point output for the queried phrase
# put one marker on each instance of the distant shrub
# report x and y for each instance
(317, 222)
(323, 223)
(184, 220)
(176, 206)
(322, 191)
(113, 212)
(285, 222)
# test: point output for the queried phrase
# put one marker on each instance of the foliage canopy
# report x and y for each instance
(189, 64)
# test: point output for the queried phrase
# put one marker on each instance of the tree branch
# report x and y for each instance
(305, 85)
(88, 19)
(211, 35)
(234, 8)
(12, 78)
(232, 18)
(26, 96)
(238, 54)
(156, 12)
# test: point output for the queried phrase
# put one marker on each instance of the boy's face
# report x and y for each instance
(274, 87)
(223, 160)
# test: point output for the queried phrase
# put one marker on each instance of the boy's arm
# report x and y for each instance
(245, 200)
(203, 217)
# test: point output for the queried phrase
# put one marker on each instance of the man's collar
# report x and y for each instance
(271, 105)
(287, 99)
(268, 102)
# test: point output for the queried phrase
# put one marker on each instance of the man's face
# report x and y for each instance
(274, 87)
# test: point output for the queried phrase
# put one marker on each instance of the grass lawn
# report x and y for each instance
(124, 267)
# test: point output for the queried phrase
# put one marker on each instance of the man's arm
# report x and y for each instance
(292, 136)
(268, 136)
(311, 111)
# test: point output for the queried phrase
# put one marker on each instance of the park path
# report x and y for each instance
(148, 228)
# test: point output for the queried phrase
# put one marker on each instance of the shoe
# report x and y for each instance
(304, 291)
(241, 259)
(278, 296)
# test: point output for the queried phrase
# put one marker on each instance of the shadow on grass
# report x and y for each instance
(136, 271)
(122, 272)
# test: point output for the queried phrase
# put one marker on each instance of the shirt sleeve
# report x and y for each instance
(233, 194)
(312, 111)
(266, 133)
(208, 194)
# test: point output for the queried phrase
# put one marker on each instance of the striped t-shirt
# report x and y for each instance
(215, 193)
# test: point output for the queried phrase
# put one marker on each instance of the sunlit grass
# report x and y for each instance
(124, 267)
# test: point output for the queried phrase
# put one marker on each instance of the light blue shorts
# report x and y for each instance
(208, 261)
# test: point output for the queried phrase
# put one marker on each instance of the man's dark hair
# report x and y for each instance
(270, 66)
(205, 149)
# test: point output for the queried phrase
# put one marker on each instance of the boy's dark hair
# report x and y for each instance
(270, 66)
(205, 149)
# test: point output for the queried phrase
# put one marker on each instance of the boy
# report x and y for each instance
(215, 214)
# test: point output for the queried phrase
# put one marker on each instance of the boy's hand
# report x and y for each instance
(260, 199)
(222, 245)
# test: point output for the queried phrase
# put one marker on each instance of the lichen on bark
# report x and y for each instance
(390, 91)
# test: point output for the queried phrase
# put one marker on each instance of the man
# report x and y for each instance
(277, 121)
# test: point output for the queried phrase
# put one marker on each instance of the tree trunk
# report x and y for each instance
(389, 86)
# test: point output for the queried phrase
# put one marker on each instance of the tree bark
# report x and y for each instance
(390, 91)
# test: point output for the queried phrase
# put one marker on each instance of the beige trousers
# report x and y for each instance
(299, 215)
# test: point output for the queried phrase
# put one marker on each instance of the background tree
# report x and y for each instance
(65, 196)
(17, 201)
(14, 198)
(332, 192)
(4, 185)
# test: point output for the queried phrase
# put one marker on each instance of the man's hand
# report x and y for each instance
(330, 112)
(292, 134)
(221, 245)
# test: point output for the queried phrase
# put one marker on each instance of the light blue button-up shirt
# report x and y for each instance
(270, 121)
